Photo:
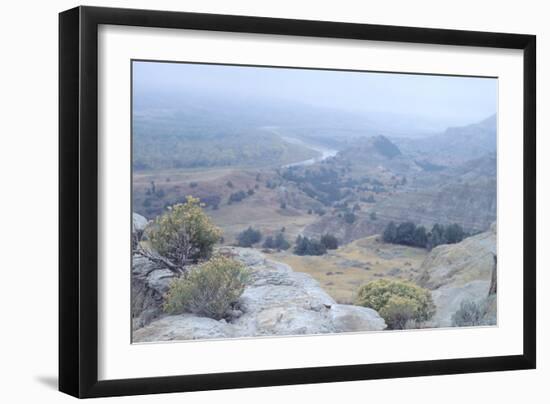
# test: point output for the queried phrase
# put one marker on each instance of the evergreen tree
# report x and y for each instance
(269, 242)
(329, 241)
(305, 246)
(405, 233)
(249, 237)
(390, 233)
(281, 243)
(420, 237)
(454, 233)
(349, 217)
(436, 236)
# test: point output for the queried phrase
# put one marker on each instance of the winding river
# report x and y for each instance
(325, 152)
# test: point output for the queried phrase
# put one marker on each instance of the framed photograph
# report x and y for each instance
(251, 201)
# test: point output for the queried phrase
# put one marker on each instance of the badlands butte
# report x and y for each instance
(292, 183)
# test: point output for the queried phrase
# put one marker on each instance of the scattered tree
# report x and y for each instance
(281, 243)
(249, 237)
(306, 246)
(277, 243)
(329, 241)
(237, 196)
(269, 242)
(349, 217)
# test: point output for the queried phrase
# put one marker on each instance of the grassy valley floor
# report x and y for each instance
(341, 272)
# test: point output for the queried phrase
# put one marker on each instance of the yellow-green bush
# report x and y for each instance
(184, 233)
(209, 289)
(399, 303)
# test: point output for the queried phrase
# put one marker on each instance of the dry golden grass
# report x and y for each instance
(341, 272)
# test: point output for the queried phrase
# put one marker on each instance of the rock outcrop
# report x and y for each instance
(277, 301)
(149, 283)
(139, 224)
(461, 272)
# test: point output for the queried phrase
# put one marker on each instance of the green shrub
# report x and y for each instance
(397, 302)
(208, 290)
(399, 312)
(184, 233)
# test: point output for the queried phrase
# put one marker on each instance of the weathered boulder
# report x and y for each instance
(139, 223)
(460, 272)
(277, 301)
(150, 282)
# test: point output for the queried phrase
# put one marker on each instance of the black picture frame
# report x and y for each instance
(78, 201)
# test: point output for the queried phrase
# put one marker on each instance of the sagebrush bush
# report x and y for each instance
(184, 233)
(209, 289)
(470, 314)
(399, 303)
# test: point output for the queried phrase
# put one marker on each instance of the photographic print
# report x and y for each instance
(281, 201)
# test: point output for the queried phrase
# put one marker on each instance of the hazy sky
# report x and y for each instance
(451, 101)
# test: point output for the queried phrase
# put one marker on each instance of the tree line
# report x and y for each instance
(407, 233)
(303, 245)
